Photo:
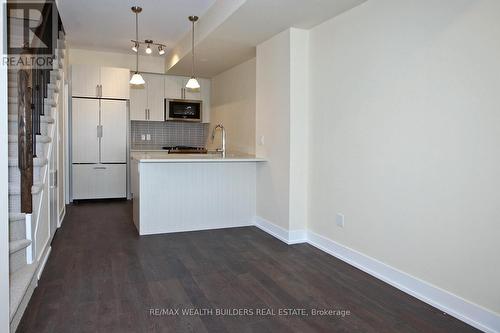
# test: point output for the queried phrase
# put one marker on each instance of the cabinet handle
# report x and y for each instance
(149, 114)
(99, 131)
(100, 90)
(97, 90)
(99, 168)
(146, 114)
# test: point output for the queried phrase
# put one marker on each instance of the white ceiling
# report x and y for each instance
(110, 24)
(234, 41)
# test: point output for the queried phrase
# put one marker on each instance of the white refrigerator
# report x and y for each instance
(99, 148)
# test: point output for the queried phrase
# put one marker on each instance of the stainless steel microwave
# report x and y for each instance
(183, 110)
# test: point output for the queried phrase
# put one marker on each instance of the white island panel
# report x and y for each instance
(180, 196)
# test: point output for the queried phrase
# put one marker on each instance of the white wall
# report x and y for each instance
(233, 105)
(299, 128)
(282, 129)
(150, 64)
(405, 132)
(273, 126)
(4, 186)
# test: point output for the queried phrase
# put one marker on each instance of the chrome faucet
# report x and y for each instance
(223, 149)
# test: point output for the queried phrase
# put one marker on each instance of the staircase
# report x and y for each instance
(24, 251)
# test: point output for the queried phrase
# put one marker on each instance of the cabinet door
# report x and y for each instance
(114, 131)
(173, 86)
(115, 82)
(84, 124)
(84, 80)
(112, 180)
(205, 97)
(138, 102)
(155, 86)
(99, 181)
(84, 182)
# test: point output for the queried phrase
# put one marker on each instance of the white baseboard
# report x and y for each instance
(445, 301)
(288, 237)
(62, 214)
(43, 262)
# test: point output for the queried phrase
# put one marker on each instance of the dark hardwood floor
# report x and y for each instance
(102, 277)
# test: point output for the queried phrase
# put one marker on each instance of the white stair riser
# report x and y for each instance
(40, 149)
(13, 128)
(44, 128)
(17, 260)
(17, 230)
(15, 174)
(14, 203)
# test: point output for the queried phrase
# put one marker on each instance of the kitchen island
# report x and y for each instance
(187, 192)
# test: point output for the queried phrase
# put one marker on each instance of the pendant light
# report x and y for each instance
(193, 83)
(137, 78)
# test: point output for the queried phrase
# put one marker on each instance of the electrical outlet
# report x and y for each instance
(148, 137)
(143, 137)
(339, 220)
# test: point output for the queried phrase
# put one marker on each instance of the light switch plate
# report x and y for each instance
(339, 220)
(148, 137)
(143, 137)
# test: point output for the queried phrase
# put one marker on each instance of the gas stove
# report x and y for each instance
(185, 150)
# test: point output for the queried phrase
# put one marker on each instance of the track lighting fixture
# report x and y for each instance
(135, 47)
(136, 43)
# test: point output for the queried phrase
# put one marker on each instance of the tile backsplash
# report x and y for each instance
(167, 134)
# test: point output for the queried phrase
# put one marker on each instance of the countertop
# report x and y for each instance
(165, 157)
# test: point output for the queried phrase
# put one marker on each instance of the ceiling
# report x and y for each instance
(227, 33)
(110, 24)
(255, 21)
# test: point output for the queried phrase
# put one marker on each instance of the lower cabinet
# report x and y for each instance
(99, 181)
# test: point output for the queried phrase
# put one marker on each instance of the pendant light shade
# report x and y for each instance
(192, 83)
(136, 78)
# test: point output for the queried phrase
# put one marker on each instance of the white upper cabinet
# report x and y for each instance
(138, 102)
(115, 83)
(194, 95)
(147, 101)
(205, 91)
(100, 82)
(85, 80)
(155, 86)
(173, 86)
